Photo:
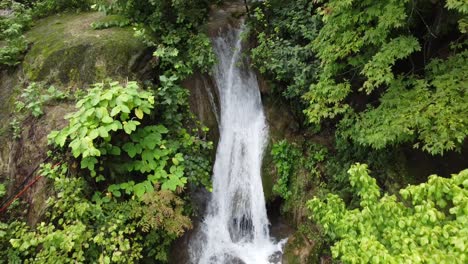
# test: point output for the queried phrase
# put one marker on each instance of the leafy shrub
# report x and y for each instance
(360, 56)
(31, 102)
(108, 110)
(427, 223)
(285, 156)
(284, 43)
(12, 27)
(430, 111)
(81, 230)
(2, 190)
(47, 7)
(289, 159)
(33, 98)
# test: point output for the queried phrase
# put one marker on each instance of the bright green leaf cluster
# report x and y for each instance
(429, 224)
(285, 156)
(386, 72)
(106, 109)
(433, 111)
(2, 190)
(356, 35)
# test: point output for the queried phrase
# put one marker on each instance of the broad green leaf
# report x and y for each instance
(139, 113)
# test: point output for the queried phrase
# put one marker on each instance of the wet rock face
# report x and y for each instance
(204, 103)
(305, 247)
(28, 152)
(224, 16)
(7, 80)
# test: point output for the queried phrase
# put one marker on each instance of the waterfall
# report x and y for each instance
(236, 227)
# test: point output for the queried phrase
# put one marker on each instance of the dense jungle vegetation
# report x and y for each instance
(379, 88)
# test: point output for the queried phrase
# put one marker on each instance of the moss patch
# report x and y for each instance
(65, 49)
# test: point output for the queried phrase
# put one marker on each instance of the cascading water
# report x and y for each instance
(235, 228)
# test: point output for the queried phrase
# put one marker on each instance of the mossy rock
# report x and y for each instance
(67, 50)
(305, 246)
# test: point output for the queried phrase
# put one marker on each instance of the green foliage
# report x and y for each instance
(459, 5)
(140, 148)
(131, 206)
(12, 42)
(15, 126)
(364, 41)
(284, 43)
(289, 159)
(285, 156)
(427, 224)
(81, 230)
(172, 28)
(104, 115)
(47, 7)
(108, 107)
(356, 35)
(390, 166)
(2, 190)
(35, 96)
(387, 73)
(31, 102)
(431, 112)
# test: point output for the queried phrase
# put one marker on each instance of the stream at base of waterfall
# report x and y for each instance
(235, 228)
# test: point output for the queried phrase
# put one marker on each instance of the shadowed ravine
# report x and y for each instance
(236, 228)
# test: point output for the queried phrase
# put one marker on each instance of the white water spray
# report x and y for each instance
(235, 228)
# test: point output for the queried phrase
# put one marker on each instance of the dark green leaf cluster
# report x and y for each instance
(289, 159)
(172, 27)
(12, 26)
(285, 31)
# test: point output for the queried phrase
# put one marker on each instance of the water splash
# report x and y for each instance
(235, 229)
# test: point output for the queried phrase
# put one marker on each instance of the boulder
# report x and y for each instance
(67, 50)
